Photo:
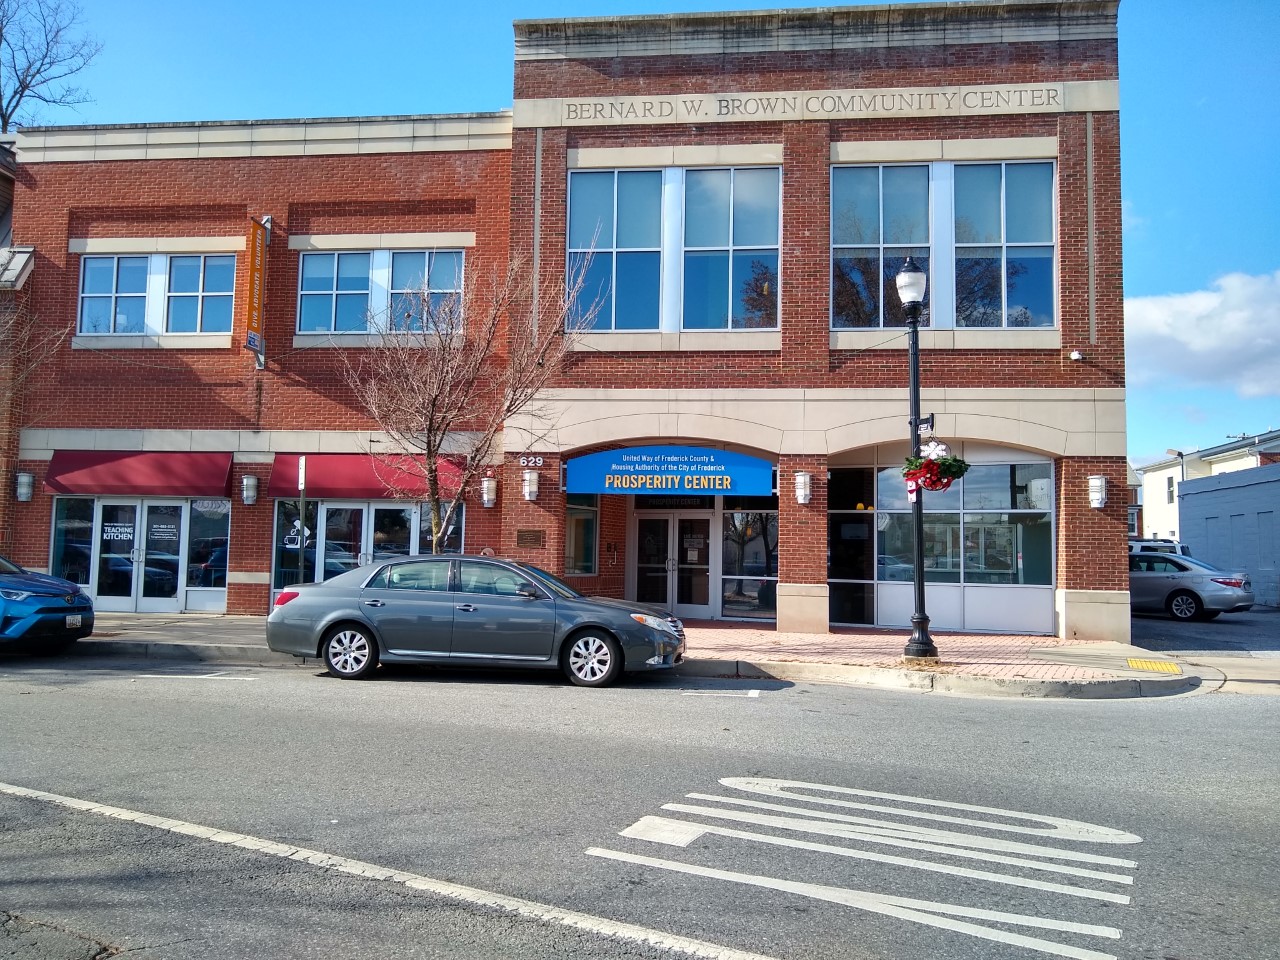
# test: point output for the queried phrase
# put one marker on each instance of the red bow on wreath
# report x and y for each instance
(928, 476)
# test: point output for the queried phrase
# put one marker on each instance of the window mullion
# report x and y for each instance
(157, 289)
(942, 246)
(672, 256)
(379, 289)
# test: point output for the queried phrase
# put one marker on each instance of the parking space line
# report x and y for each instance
(529, 909)
(722, 693)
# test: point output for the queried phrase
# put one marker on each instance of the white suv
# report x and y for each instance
(1159, 546)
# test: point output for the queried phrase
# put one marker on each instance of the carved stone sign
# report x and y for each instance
(956, 101)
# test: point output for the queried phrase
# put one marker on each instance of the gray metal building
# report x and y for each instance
(1230, 520)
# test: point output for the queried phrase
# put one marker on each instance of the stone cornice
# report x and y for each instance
(822, 28)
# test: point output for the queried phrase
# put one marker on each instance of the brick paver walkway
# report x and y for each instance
(977, 654)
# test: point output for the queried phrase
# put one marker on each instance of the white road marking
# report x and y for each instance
(525, 908)
(641, 831)
(913, 838)
(727, 693)
(190, 676)
(1052, 826)
(918, 911)
(890, 828)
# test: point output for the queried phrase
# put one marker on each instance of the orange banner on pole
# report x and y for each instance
(257, 281)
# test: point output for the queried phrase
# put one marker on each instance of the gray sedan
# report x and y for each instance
(469, 610)
(1188, 588)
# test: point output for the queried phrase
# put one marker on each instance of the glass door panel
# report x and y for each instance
(693, 561)
(653, 568)
(117, 531)
(162, 536)
(391, 534)
(342, 539)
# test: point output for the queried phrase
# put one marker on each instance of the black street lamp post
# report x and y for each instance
(911, 282)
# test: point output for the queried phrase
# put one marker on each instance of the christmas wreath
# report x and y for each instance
(933, 474)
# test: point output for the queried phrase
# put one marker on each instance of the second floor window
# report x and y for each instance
(984, 232)
(676, 249)
(156, 294)
(375, 291)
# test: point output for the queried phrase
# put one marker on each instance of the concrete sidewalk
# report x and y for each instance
(970, 664)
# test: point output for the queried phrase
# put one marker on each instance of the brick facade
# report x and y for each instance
(803, 398)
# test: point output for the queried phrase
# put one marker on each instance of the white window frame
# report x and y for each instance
(594, 510)
(672, 251)
(941, 290)
(156, 296)
(379, 290)
(200, 295)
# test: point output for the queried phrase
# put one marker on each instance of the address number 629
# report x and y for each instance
(531, 461)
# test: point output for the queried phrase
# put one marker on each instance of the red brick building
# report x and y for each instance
(739, 191)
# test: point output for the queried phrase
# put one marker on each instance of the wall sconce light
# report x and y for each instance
(24, 486)
(804, 486)
(1075, 355)
(531, 484)
(488, 491)
(1097, 492)
(249, 489)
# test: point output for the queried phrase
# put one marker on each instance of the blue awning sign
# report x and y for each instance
(699, 470)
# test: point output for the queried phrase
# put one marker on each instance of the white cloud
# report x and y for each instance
(1131, 220)
(1228, 336)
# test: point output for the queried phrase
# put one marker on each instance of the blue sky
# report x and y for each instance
(1200, 134)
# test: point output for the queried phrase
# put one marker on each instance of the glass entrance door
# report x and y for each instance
(139, 556)
(673, 563)
(341, 545)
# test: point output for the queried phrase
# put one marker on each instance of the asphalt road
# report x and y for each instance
(829, 822)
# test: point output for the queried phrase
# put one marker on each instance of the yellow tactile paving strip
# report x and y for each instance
(1156, 666)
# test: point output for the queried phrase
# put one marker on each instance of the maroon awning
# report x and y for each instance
(138, 473)
(355, 476)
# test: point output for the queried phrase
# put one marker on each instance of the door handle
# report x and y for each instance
(374, 603)
(467, 607)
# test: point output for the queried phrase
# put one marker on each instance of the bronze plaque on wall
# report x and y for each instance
(531, 538)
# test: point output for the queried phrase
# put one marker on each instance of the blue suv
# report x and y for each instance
(38, 611)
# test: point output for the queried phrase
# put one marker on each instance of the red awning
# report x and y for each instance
(355, 476)
(135, 473)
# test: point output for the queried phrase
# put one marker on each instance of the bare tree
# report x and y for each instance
(24, 340)
(40, 51)
(451, 371)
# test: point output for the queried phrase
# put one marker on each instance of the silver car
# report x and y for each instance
(1189, 589)
(469, 610)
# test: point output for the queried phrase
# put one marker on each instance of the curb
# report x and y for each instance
(191, 652)
(888, 678)
(924, 681)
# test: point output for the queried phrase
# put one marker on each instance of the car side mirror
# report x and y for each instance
(529, 591)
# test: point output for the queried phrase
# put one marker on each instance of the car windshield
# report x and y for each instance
(7, 567)
(550, 581)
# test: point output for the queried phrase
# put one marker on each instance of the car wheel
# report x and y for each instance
(1185, 606)
(350, 653)
(592, 659)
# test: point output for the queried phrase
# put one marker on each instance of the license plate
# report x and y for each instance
(73, 620)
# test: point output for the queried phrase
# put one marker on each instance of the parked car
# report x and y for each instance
(1189, 589)
(469, 610)
(1157, 545)
(38, 611)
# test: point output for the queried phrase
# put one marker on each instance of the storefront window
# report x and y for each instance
(851, 539)
(210, 526)
(1003, 534)
(749, 563)
(581, 525)
(72, 539)
(942, 557)
(295, 544)
(452, 534)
